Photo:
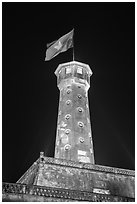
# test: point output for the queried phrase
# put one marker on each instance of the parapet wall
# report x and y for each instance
(30, 193)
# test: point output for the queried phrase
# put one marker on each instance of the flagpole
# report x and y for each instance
(73, 53)
(73, 44)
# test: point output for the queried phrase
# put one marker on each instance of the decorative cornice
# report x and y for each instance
(65, 163)
(11, 188)
(72, 164)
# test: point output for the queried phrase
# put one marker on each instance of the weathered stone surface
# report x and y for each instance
(72, 174)
(80, 179)
(31, 198)
(31, 174)
(31, 193)
(63, 174)
(74, 138)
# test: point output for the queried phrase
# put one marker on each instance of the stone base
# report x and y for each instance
(51, 179)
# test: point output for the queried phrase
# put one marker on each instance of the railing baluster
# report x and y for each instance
(59, 193)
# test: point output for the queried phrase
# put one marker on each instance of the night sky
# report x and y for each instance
(104, 39)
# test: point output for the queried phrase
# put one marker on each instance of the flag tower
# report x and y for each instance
(72, 174)
(74, 138)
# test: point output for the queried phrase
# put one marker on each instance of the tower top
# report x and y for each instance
(83, 65)
(75, 72)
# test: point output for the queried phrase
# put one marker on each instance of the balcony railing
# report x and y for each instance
(16, 188)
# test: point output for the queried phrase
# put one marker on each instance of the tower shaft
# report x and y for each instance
(74, 139)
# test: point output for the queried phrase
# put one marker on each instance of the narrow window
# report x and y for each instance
(91, 151)
(79, 70)
(64, 139)
(68, 70)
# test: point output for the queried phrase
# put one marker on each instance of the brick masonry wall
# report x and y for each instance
(58, 173)
(74, 138)
(86, 180)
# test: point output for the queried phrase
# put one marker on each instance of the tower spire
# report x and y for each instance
(73, 137)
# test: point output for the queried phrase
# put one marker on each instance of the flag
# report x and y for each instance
(60, 45)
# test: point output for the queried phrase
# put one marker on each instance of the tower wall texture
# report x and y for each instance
(74, 139)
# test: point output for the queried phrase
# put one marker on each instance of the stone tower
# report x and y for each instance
(74, 139)
(72, 174)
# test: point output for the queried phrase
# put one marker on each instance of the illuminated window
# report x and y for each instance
(101, 191)
(89, 134)
(59, 77)
(84, 159)
(82, 153)
(91, 151)
(82, 156)
(79, 70)
(64, 139)
(68, 70)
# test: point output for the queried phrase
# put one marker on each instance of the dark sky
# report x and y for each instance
(104, 39)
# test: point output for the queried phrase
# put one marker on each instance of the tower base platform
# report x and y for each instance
(51, 179)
